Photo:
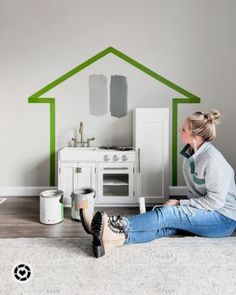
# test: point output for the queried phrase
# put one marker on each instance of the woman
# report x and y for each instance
(209, 211)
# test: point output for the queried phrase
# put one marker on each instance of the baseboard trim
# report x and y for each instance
(23, 190)
(36, 190)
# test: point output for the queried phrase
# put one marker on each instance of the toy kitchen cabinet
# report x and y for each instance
(151, 142)
(75, 172)
(108, 170)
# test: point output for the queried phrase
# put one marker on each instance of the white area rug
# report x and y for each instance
(175, 265)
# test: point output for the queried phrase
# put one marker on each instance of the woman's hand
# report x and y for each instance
(172, 202)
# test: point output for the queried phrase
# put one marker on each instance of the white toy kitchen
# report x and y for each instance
(120, 174)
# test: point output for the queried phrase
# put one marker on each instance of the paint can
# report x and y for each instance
(82, 198)
(51, 207)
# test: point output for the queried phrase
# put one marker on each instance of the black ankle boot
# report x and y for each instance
(108, 232)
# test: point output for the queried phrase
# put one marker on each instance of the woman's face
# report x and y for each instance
(185, 133)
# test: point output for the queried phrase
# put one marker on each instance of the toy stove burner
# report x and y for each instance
(116, 148)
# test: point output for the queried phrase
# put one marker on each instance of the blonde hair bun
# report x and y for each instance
(213, 117)
(203, 124)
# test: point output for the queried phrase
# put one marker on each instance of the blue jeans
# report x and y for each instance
(170, 220)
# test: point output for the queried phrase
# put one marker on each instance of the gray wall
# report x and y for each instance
(191, 43)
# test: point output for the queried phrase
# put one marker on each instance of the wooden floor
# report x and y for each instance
(19, 217)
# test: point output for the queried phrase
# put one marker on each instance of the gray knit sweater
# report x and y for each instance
(210, 180)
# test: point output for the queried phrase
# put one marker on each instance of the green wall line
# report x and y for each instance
(52, 142)
(189, 98)
(71, 73)
(52, 148)
(175, 103)
(151, 73)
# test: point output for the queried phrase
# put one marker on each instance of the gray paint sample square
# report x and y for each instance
(118, 96)
(98, 100)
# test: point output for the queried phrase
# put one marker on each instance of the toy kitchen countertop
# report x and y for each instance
(102, 153)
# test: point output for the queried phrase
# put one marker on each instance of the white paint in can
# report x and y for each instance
(51, 207)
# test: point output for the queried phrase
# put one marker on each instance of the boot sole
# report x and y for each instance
(88, 231)
(98, 249)
(97, 229)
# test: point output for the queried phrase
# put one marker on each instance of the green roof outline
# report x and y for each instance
(188, 98)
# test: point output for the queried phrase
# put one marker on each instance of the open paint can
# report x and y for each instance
(82, 198)
(51, 207)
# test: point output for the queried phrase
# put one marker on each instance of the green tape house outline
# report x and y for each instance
(188, 98)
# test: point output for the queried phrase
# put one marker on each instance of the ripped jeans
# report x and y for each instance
(170, 220)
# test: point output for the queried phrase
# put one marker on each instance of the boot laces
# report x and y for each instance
(115, 224)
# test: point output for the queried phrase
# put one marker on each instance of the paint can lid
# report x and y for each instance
(83, 192)
(51, 194)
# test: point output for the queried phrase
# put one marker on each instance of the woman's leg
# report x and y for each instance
(146, 236)
(164, 220)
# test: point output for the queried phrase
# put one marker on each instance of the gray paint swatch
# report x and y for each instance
(97, 95)
(118, 96)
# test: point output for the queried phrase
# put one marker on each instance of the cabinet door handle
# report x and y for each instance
(78, 170)
(139, 166)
